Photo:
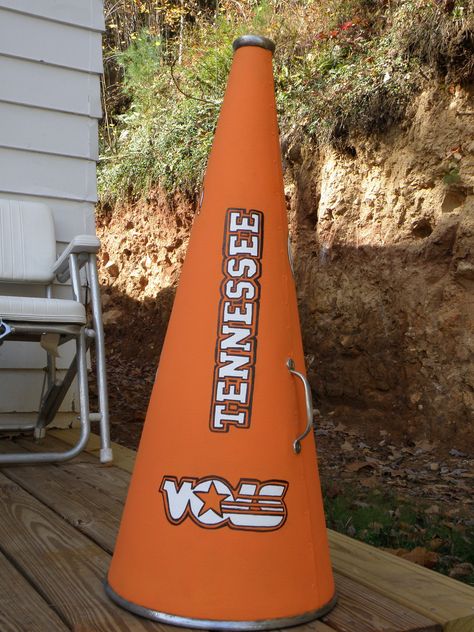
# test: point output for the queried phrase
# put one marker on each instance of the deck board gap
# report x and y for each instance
(34, 585)
(83, 528)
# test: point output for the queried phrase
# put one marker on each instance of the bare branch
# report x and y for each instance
(188, 96)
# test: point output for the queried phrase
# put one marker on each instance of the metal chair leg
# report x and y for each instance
(106, 449)
(57, 457)
(50, 394)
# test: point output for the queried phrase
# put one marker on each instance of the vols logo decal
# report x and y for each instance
(236, 346)
(212, 502)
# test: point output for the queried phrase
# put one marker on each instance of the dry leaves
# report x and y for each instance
(422, 469)
(370, 483)
(418, 555)
(424, 445)
(461, 570)
(357, 466)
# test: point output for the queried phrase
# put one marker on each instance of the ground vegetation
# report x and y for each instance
(342, 67)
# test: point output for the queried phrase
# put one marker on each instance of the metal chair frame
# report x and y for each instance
(76, 256)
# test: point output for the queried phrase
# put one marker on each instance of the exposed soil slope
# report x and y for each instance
(383, 242)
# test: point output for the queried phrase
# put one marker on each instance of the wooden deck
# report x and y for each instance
(57, 530)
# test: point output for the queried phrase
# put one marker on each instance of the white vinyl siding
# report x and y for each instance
(48, 131)
(85, 13)
(70, 217)
(39, 174)
(50, 42)
(50, 65)
(30, 356)
(38, 85)
(23, 387)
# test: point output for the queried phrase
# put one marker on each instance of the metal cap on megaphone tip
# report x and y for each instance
(224, 527)
(254, 40)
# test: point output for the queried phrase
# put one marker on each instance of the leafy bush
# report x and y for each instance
(343, 67)
(166, 133)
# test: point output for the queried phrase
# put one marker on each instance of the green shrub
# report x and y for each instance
(166, 133)
(342, 68)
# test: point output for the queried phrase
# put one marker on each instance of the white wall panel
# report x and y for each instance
(50, 57)
(60, 290)
(49, 42)
(47, 131)
(47, 175)
(20, 391)
(70, 218)
(29, 355)
(87, 13)
(62, 420)
(32, 83)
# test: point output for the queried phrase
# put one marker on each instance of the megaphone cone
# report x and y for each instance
(223, 526)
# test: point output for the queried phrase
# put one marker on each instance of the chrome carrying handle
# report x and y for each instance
(309, 405)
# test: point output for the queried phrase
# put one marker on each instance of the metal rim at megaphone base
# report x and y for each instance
(209, 624)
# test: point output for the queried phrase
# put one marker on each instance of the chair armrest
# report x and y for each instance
(81, 245)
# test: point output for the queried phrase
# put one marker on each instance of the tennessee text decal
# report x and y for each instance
(236, 346)
(212, 502)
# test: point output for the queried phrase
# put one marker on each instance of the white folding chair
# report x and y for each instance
(27, 257)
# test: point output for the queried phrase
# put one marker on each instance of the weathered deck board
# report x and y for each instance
(91, 509)
(314, 626)
(85, 467)
(62, 563)
(124, 458)
(460, 625)
(85, 508)
(442, 599)
(21, 607)
(434, 595)
(365, 610)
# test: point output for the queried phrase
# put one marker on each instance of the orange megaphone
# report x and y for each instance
(223, 526)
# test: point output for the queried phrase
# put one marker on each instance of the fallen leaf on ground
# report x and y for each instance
(435, 544)
(461, 570)
(358, 465)
(369, 482)
(424, 445)
(373, 461)
(454, 452)
(453, 512)
(397, 473)
(418, 555)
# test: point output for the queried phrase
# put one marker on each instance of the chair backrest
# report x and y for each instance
(27, 242)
